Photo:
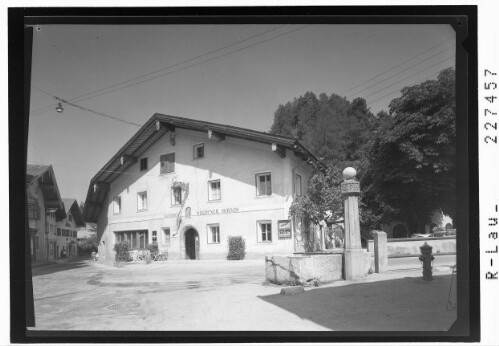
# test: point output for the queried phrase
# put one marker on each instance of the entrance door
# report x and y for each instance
(191, 238)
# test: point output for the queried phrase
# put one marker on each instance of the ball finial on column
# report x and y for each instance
(349, 173)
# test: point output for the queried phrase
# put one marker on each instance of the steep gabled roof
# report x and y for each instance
(71, 205)
(154, 129)
(48, 184)
(35, 171)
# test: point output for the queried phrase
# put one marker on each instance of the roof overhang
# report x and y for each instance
(159, 125)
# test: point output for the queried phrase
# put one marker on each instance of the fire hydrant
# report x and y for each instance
(426, 258)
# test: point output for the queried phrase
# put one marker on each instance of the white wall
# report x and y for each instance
(234, 162)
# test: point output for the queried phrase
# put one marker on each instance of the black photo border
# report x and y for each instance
(462, 18)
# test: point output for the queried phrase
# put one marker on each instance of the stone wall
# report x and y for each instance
(407, 247)
(299, 269)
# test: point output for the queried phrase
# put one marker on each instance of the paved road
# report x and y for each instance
(226, 295)
(403, 263)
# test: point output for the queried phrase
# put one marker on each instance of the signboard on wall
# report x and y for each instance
(284, 229)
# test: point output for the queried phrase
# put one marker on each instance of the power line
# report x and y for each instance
(83, 98)
(167, 67)
(87, 109)
(398, 90)
(406, 69)
(394, 67)
(426, 69)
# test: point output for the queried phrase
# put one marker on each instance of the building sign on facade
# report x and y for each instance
(284, 229)
(217, 211)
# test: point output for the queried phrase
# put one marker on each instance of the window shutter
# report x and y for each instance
(170, 163)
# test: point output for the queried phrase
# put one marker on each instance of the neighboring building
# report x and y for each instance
(52, 222)
(67, 230)
(188, 185)
(45, 210)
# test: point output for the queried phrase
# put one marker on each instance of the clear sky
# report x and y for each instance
(241, 84)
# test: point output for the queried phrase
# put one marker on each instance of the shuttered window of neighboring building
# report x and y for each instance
(167, 162)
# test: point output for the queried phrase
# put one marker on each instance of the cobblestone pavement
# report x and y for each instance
(229, 295)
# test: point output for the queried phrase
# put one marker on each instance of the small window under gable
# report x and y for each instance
(263, 184)
(116, 205)
(167, 163)
(199, 151)
(143, 164)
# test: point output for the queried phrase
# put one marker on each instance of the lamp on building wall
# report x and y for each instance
(59, 108)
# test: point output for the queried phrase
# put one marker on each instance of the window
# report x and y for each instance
(263, 184)
(51, 248)
(199, 151)
(213, 234)
(214, 191)
(154, 236)
(33, 211)
(264, 231)
(188, 212)
(176, 195)
(298, 185)
(59, 232)
(166, 236)
(167, 162)
(142, 200)
(135, 239)
(143, 164)
(116, 205)
(70, 218)
(37, 243)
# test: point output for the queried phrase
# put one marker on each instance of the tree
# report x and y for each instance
(332, 127)
(408, 170)
(87, 245)
(322, 196)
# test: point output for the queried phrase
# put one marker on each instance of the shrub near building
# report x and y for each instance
(237, 248)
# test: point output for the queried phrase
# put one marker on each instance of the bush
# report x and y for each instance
(121, 250)
(237, 248)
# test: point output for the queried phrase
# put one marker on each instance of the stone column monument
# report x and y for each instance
(354, 254)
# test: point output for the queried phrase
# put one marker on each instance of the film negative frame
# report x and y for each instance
(462, 18)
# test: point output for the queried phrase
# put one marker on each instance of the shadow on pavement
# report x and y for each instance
(57, 267)
(408, 304)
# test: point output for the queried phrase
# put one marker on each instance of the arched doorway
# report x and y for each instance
(400, 231)
(191, 244)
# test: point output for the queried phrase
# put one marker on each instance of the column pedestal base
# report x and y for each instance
(355, 266)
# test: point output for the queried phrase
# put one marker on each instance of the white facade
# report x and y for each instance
(144, 204)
